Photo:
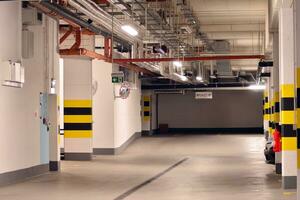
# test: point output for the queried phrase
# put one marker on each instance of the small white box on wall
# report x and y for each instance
(13, 74)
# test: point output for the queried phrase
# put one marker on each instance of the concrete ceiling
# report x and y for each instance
(241, 22)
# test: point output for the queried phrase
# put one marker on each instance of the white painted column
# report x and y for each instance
(78, 108)
(287, 94)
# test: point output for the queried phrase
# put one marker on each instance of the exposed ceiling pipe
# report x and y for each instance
(69, 16)
(188, 59)
(76, 51)
(95, 13)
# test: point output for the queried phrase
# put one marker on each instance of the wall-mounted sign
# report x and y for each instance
(203, 95)
(117, 77)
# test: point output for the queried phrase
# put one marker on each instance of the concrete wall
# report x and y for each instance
(103, 105)
(127, 116)
(19, 112)
(227, 109)
(115, 121)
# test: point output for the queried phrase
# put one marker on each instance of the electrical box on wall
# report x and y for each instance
(31, 17)
(13, 75)
(27, 44)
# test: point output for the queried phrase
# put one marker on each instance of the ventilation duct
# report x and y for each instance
(223, 67)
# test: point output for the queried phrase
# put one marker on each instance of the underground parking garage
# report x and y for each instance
(149, 99)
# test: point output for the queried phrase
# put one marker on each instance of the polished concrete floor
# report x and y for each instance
(204, 167)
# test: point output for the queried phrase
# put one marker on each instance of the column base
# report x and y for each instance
(54, 166)
(278, 168)
(289, 182)
(78, 156)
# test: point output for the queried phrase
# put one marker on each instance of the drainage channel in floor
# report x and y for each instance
(136, 188)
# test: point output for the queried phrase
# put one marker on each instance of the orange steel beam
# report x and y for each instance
(67, 34)
(94, 55)
(77, 43)
(84, 31)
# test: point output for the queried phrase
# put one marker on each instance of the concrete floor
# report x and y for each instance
(229, 167)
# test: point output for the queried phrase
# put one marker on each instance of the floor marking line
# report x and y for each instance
(134, 189)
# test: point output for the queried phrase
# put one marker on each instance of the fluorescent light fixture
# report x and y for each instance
(199, 78)
(257, 87)
(177, 63)
(130, 30)
(183, 78)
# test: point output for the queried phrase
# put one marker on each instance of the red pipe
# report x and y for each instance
(188, 59)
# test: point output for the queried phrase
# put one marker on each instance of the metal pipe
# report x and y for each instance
(77, 20)
(94, 55)
(188, 59)
(93, 11)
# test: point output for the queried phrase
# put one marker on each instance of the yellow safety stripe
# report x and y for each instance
(78, 103)
(78, 118)
(276, 117)
(266, 116)
(289, 143)
(287, 91)
(147, 108)
(298, 77)
(287, 117)
(146, 98)
(78, 134)
(146, 118)
(276, 96)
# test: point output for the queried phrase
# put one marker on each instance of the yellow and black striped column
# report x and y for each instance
(276, 104)
(276, 118)
(266, 112)
(298, 124)
(78, 118)
(297, 70)
(287, 98)
(146, 108)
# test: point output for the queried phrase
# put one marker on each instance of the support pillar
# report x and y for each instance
(78, 108)
(297, 76)
(54, 163)
(287, 94)
(266, 110)
(276, 105)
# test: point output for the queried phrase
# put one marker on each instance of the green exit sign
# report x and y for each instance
(117, 79)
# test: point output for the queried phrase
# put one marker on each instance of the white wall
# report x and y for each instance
(127, 116)
(19, 113)
(115, 120)
(19, 107)
(103, 105)
(227, 109)
(10, 38)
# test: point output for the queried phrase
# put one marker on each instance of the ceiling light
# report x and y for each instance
(183, 78)
(199, 78)
(130, 30)
(257, 87)
(177, 63)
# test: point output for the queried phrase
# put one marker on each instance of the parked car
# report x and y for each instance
(269, 152)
